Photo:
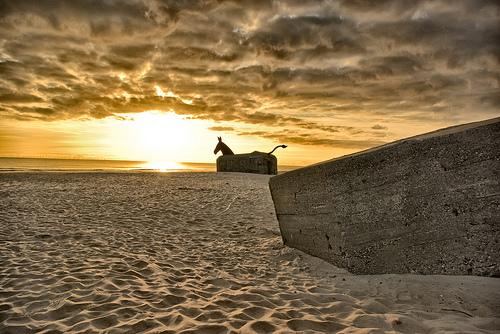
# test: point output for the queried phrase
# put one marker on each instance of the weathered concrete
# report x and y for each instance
(428, 204)
(255, 162)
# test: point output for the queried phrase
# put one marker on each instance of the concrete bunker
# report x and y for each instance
(427, 204)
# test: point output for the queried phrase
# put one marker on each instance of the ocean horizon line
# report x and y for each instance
(98, 159)
(83, 164)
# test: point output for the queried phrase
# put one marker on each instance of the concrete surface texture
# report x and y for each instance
(427, 204)
(255, 162)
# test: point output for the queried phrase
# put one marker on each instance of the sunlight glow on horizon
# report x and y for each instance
(163, 166)
(151, 136)
(154, 137)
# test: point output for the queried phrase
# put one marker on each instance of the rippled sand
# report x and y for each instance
(195, 253)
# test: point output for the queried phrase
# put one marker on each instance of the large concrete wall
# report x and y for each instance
(427, 204)
(255, 162)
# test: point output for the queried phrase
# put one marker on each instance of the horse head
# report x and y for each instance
(222, 147)
(219, 145)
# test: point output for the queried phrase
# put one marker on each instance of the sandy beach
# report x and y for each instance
(196, 253)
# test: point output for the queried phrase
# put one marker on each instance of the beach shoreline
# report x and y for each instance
(186, 252)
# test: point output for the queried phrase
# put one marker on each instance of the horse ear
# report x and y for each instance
(220, 138)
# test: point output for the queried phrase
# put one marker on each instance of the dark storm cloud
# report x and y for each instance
(277, 64)
(314, 34)
(18, 97)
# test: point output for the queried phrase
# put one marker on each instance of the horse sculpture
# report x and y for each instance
(255, 162)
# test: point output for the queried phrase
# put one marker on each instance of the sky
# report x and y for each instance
(161, 79)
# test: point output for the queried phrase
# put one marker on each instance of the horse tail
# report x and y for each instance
(274, 149)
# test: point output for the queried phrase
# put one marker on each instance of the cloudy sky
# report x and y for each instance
(93, 78)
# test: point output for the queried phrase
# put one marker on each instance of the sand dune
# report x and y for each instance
(196, 253)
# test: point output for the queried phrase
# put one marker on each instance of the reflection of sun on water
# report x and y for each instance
(163, 166)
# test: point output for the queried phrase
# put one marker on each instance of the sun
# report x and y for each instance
(156, 130)
(157, 136)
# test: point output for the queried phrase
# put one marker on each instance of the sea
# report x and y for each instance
(78, 165)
